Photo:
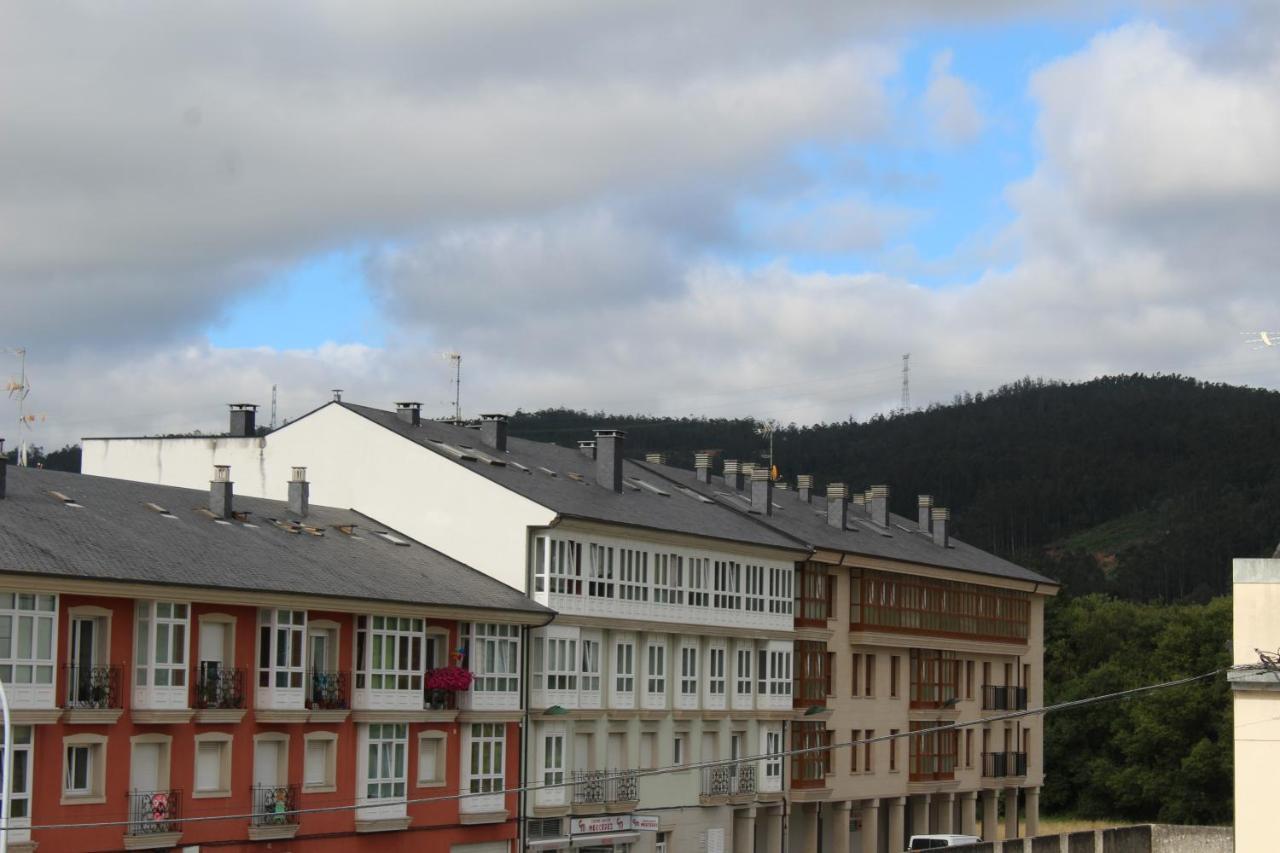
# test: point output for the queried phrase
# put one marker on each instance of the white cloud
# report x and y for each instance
(951, 104)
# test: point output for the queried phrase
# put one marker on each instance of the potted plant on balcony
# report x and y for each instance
(445, 680)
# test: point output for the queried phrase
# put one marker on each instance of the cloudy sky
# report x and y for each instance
(721, 208)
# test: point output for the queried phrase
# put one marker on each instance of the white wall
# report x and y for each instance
(352, 463)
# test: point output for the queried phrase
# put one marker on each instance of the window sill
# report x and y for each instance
(210, 795)
(82, 799)
(319, 788)
(434, 784)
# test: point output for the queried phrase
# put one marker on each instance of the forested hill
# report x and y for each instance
(1142, 486)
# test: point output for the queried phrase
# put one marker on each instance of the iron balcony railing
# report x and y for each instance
(729, 780)
(328, 691)
(998, 765)
(92, 687)
(1003, 698)
(604, 786)
(220, 688)
(274, 805)
(438, 700)
(154, 812)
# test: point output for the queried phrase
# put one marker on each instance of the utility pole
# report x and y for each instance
(906, 383)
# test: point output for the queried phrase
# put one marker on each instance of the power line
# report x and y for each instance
(684, 768)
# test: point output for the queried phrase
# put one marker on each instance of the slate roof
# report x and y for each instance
(902, 540)
(582, 497)
(114, 536)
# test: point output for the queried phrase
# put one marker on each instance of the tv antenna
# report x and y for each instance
(766, 429)
(455, 358)
(906, 382)
(18, 390)
(273, 406)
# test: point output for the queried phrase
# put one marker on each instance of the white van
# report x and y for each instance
(936, 842)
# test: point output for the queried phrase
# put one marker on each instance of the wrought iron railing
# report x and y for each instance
(604, 786)
(220, 688)
(153, 812)
(92, 687)
(997, 765)
(1003, 698)
(274, 805)
(729, 780)
(328, 691)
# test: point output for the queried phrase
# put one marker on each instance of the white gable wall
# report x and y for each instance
(351, 462)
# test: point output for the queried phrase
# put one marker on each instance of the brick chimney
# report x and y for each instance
(804, 487)
(299, 492)
(925, 505)
(837, 504)
(609, 446)
(702, 467)
(220, 491)
(761, 491)
(941, 518)
(879, 507)
(409, 412)
(733, 474)
(493, 432)
(243, 416)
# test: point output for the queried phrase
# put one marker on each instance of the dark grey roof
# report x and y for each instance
(115, 536)
(902, 540)
(573, 490)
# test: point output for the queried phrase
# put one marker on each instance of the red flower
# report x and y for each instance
(449, 678)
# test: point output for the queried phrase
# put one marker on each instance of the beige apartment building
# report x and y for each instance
(1256, 692)
(900, 627)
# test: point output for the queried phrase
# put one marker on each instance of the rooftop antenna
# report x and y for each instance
(337, 395)
(906, 382)
(767, 428)
(455, 358)
(273, 406)
(18, 391)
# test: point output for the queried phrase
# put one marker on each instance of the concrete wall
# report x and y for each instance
(1148, 838)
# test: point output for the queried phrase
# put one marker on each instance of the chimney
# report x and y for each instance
(4, 468)
(609, 444)
(493, 432)
(220, 491)
(747, 469)
(761, 491)
(587, 448)
(837, 504)
(243, 416)
(941, 516)
(409, 412)
(299, 492)
(702, 467)
(733, 474)
(925, 503)
(804, 485)
(860, 499)
(656, 458)
(879, 508)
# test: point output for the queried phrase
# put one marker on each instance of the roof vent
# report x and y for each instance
(243, 416)
(220, 492)
(804, 487)
(879, 504)
(941, 517)
(656, 458)
(702, 467)
(837, 504)
(733, 474)
(746, 468)
(925, 505)
(299, 492)
(587, 448)
(409, 412)
(609, 445)
(761, 491)
(493, 432)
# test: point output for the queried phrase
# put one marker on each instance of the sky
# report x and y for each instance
(725, 208)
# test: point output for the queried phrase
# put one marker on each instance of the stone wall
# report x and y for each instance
(1148, 838)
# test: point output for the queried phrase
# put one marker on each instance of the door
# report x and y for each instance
(318, 651)
(735, 746)
(266, 763)
(86, 647)
(213, 646)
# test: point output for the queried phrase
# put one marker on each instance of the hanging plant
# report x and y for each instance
(453, 678)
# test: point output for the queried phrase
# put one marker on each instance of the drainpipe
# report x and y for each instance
(524, 738)
(8, 771)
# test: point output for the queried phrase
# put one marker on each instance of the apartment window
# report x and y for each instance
(488, 745)
(600, 572)
(935, 677)
(553, 758)
(742, 683)
(868, 751)
(27, 627)
(624, 668)
(161, 655)
(781, 601)
(431, 759)
(699, 582)
(892, 602)
(561, 659)
(933, 752)
(493, 653)
(893, 750)
(814, 592)
(968, 679)
(657, 674)
(688, 671)
(213, 765)
(715, 673)
(668, 578)
(389, 653)
(753, 587)
(590, 665)
(855, 667)
(661, 842)
(385, 773)
(894, 665)
(728, 585)
(679, 748)
(633, 575)
(870, 672)
(319, 766)
(565, 567)
(20, 791)
(779, 680)
(853, 751)
(540, 548)
(84, 769)
(968, 747)
(281, 636)
(773, 749)
(810, 764)
(813, 678)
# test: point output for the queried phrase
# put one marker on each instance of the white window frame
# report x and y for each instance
(282, 641)
(493, 655)
(699, 581)
(94, 750)
(624, 670)
(387, 750)
(655, 669)
(20, 793)
(633, 575)
(753, 583)
(440, 741)
(488, 743)
(689, 669)
(772, 747)
(745, 656)
(561, 663)
(668, 579)
(600, 580)
(330, 781)
(727, 579)
(153, 618)
(781, 590)
(564, 567)
(717, 669)
(28, 632)
(223, 743)
(591, 669)
(389, 653)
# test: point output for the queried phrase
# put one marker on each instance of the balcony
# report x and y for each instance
(811, 756)
(328, 691)
(219, 696)
(728, 782)
(600, 787)
(93, 694)
(1003, 698)
(274, 811)
(1000, 765)
(153, 817)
